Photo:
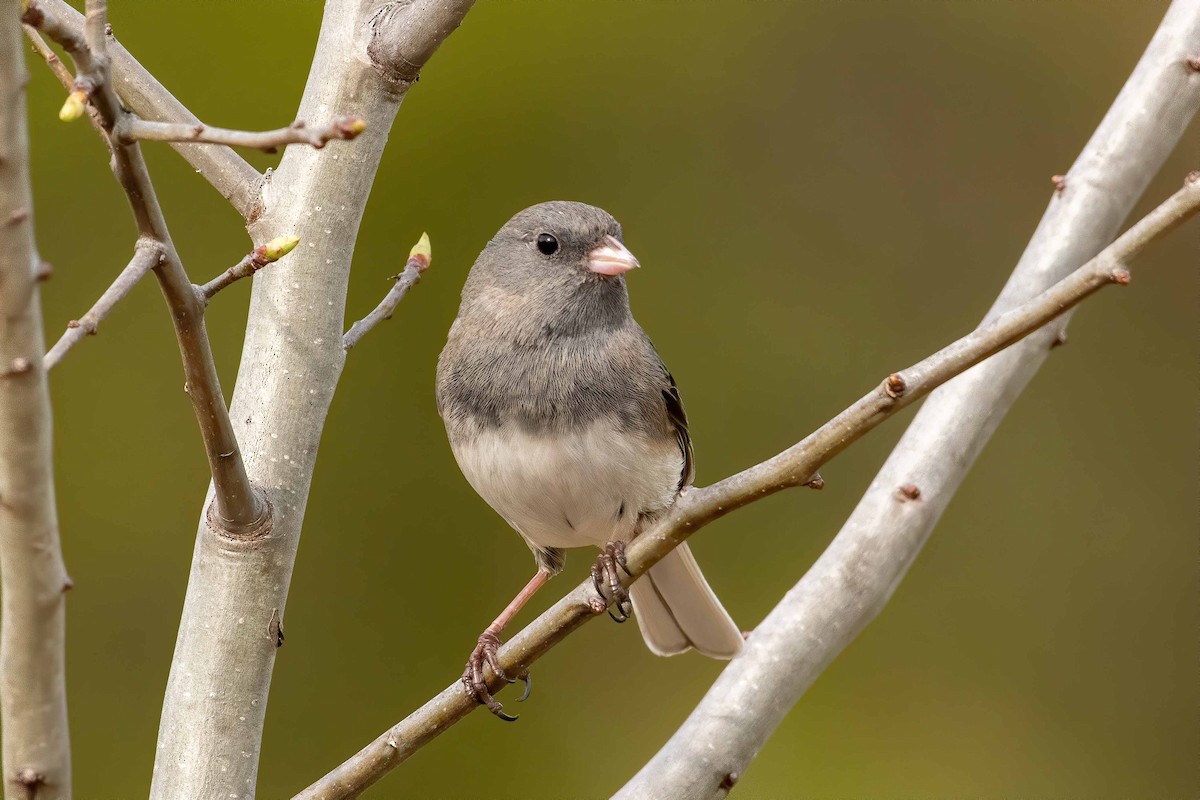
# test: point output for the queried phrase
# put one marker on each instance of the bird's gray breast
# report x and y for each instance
(567, 438)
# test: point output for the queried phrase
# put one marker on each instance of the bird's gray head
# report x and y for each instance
(555, 266)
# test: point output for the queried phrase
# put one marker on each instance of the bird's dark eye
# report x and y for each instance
(547, 244)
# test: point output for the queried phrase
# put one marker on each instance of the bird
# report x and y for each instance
(563, 418)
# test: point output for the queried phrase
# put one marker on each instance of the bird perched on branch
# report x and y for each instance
(563, 418)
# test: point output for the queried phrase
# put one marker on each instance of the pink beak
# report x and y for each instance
(611, 258)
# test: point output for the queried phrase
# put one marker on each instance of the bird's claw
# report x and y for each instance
(487, 652)
(604, 576)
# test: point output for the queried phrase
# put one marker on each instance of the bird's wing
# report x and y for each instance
(678, 419)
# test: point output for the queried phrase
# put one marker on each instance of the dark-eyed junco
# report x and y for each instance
(564, 419)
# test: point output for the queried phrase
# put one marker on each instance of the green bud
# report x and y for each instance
(73, 108)
(279, 247)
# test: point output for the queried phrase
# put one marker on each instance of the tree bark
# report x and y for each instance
(213, 713)
(33, 694)
(855, 577)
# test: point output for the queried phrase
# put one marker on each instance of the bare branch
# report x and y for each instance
(146, 256)
(65, 78)
(296, 133)
(213, 713)
(853, 580)
(238, 509)
(796, 466)
(418, 262)
(255, 260)
(33, 695)
(229, 173)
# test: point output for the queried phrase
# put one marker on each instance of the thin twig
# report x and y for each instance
(224, 169)
(795, 466)
(255, 260)
(418, 262)
(64, 77)
(296, 133)
(146, 256)
(238, 508)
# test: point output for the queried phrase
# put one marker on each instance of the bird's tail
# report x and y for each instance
(677, 610)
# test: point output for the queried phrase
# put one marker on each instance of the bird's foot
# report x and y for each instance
(487, 652)
(605, 576)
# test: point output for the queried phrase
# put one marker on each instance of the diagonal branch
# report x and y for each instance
(852, 581)
(418, 262)
(297, 133)
(255, 260)
(146, 256)
(237, 507)
(795, 466)
(229, 173)
(33, 693)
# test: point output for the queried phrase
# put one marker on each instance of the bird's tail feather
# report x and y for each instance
(677, 610)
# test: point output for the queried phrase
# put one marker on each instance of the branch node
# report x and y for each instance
(30, 778)
(1193, 63)
(815, 482)
(1060, 339)
(908, 491)
(596, 605)
(275, 628)
(1192, 177)
(1060, 183)
(18, 216)
(728, 782)
(1121, 276)
(258, 529)
(19, 366)
(68, 584)
(45, 270)
(895, 385)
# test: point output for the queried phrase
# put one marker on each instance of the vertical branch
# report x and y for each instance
(33, 697)
(211, 727)
(852, 581)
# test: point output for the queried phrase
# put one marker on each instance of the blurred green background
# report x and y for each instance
(821, 192)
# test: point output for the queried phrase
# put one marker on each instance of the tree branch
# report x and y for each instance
(211, 727)
(64, 77)
(33, 694)
(237, 508)
(418, 261)
(257, 258)
(146, 256)
(296, 133)
(853, 580)
(225, 170)
(795, 466)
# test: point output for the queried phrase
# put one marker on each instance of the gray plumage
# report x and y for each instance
(564, 419)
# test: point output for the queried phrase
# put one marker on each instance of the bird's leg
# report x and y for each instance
(604, 575)
(488, 648)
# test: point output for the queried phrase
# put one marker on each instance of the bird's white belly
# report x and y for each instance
(571, 490)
